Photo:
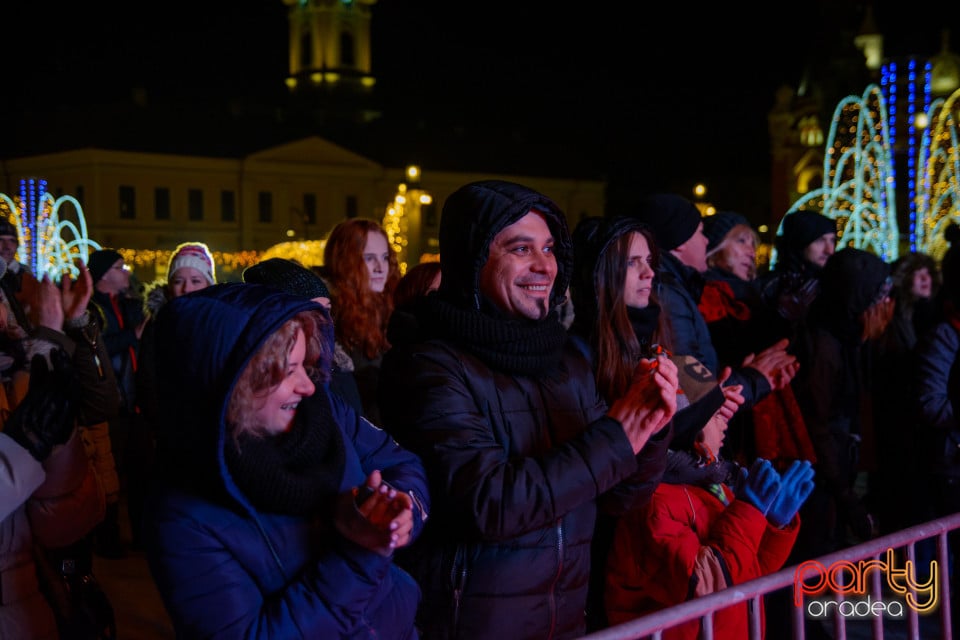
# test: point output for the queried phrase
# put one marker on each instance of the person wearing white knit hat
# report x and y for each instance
(191, 268)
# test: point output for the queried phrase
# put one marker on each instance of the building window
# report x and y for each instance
(309, 208)
(195, 204)
(347, 57)
(265, 206)
(128, 202)
(228, 206)
(352, 209)
(161, 203)
(306, 51)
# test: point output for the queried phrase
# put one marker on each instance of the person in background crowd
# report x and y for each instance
(678, 229)
(835, 391)
(17, 283)
(50, 495)
(287, 275)
(122, 320)
(710, 525)
(503, 409)
(278, 513)
(938, 397)
(190, 268)
(361, 269)
(806, 241)
(740, 323)
(916, 282)
(419, 281)
(617, 321)
(902, 501)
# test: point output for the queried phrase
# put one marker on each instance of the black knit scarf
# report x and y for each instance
(519, 347)
(644, 322)
(297, 472)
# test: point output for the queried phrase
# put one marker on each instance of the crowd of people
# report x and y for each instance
(554, 429)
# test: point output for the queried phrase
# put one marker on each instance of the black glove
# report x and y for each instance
(45, 417)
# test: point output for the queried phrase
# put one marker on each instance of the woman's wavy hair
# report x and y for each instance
(268, 367)
(617, 347)
(360, 315)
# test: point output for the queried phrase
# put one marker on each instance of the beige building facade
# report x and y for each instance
(297, 191)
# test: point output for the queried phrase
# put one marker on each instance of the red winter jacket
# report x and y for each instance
(686, 543)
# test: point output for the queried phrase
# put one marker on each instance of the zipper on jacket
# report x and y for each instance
(552, 595)
(458, 575)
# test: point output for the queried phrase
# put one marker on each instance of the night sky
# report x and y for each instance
(652, 96)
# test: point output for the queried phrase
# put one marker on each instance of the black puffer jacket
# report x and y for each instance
(515, 461)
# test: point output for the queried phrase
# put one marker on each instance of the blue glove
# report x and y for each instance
(795, 487)
(760, 486)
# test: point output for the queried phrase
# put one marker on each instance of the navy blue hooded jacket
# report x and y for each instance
(225, 568)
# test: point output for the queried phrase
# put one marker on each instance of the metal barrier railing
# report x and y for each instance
(878, 550)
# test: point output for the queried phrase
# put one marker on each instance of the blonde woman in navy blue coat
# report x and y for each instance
(278, 508)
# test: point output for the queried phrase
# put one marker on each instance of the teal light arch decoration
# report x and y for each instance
(48, 244)
(858, 169)
(938, 195)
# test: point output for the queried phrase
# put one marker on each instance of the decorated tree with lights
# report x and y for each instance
(938, 194)
(858, 169)
(49, 244)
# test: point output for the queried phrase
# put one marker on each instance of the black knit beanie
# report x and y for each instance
(100, 262)
(803, 227)
(852, 280)
(673, 218)
(717, 226)
(287, 276)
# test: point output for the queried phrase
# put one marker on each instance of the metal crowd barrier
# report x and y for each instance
(838, 569)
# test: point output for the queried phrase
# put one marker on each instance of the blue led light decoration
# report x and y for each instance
(48, 245)
(858, 189)
(938, 194)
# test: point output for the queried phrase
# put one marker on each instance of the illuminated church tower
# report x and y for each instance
(329, 59)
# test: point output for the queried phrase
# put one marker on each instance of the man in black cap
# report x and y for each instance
(678, 227)
(122, 321)
(807, 239)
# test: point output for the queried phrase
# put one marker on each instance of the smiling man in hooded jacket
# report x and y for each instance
(486, 387)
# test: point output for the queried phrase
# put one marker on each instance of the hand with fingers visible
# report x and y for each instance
(775, 363)
(76, 293)
(796, 485)
(650, 401)
(760, 485)
(375, 516)
(47, 306)
(732, 396)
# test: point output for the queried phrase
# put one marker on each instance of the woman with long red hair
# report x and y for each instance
(362, 272)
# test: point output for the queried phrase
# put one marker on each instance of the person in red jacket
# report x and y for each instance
(709, 525)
